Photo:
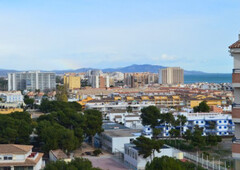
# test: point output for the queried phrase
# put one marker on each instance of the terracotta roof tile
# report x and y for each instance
(235, 45)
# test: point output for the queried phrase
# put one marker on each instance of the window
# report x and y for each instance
(220, 121)
(220, 127)
(225, 127)
(201, 121)
(196, 121)
(225, 121)
(7, 157)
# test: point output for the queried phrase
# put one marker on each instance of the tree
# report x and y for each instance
(51, 106)
(147, 147)
(187, 135)
(76, 164)
(167, 118)
(181, 120)
(213, 140)
(197, 139)
(15, 128)
(169, 163)
(61, 94)
(129, 109)
(203, 107)
(28, 101)
(156, 132)
(3, 84)
(150, 116)
(55, 136)
(93, 123)
(174, 133)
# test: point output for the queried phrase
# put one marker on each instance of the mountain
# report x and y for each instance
(127, 69)
(4, 72)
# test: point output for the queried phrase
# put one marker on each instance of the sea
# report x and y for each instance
(210, 78)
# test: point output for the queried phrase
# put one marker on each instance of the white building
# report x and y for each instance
(134, 161)
(95, 81)
(16, 157)
(31, 81)
(130, 120)
(115, 136)
(11, 96)
(222, 124)
(136, 106)
(113, 140)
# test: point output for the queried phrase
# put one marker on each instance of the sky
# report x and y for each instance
(71, 34)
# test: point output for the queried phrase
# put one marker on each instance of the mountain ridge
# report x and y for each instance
(127, 69)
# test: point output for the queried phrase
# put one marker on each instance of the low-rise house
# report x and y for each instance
(58, 154)
(134, 161)
(16, 157)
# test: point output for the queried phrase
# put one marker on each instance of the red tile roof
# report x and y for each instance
(235, 45)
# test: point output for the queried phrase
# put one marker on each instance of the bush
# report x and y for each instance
(97, 152)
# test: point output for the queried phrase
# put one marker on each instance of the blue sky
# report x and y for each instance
(70, 34)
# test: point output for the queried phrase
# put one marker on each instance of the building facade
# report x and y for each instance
(17, 157)
(72, 81)
(134, 161)
(235, 53)
(212, 124)
(31, 81)
(171, 75)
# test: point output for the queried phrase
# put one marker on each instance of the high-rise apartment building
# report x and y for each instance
(235, 53)
(171, 75)
(100, 81)
(72, 81)
(31, 80)
(135, 80)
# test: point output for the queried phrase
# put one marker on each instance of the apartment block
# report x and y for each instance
(100, 81)
(235, 53)
(72, 81)
(171, 75)
(31, 81)
(136, 80)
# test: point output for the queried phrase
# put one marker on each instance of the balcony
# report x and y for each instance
(236, 77)
(236, 113)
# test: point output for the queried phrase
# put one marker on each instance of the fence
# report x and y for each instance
(214, 165)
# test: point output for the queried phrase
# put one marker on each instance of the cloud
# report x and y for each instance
(166, 57)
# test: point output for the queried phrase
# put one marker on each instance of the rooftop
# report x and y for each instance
(123, 132)
(59, 154)
(15, 149)
(236, 44)
(108, 125)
